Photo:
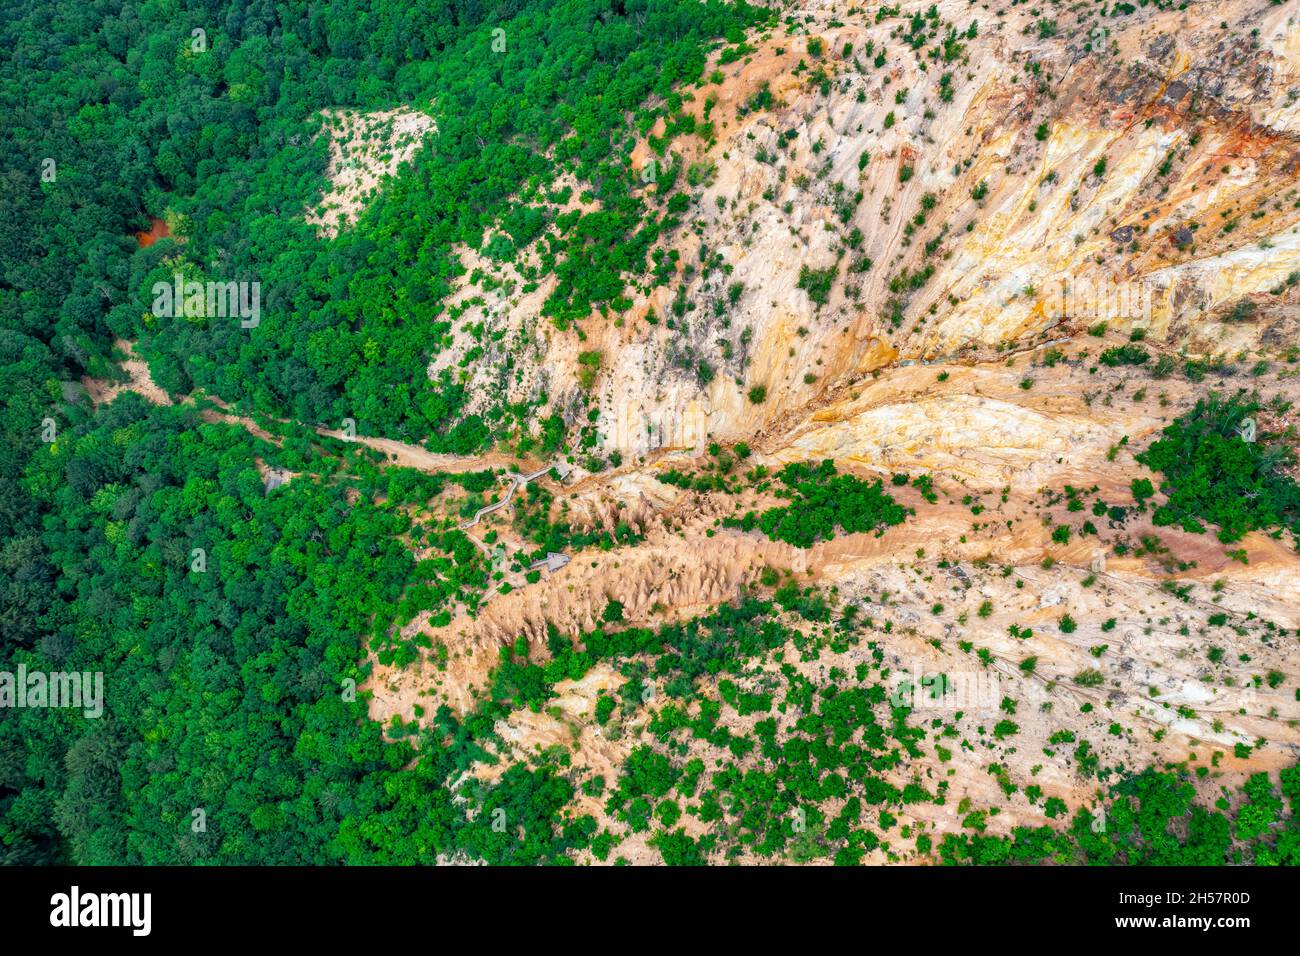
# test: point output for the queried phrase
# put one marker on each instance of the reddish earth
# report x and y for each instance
(157, 230)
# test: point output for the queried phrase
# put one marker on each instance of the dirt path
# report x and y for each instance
(515, 482)
(395, 452)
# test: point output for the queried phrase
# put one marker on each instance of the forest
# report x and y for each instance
(227, 685)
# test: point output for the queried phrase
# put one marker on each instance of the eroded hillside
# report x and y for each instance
(929, 182)
(994, 248)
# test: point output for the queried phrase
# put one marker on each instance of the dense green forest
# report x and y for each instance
(232, 731)
(119, 112)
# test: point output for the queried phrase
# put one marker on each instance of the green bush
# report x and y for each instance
(823, 500)
(1212, 474)
(817, 282)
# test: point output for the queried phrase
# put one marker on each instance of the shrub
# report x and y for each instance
(1090, 677)
(588, 367)
(817, 283)
(1124, 355)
